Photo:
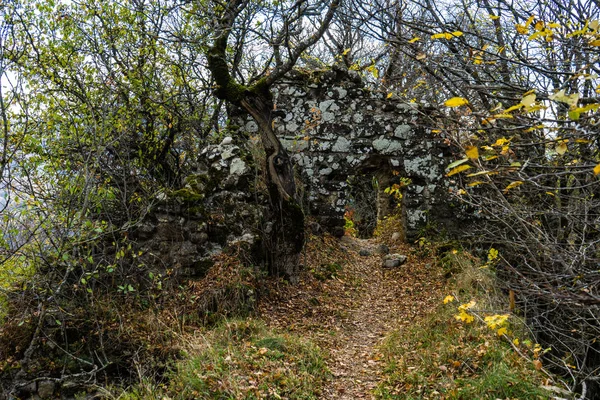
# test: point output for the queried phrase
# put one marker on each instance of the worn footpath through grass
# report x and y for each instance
(348, 304)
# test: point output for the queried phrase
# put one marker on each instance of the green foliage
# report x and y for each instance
(242, 359)
(349, 227)
(440, 357)
(326, 271)
(396, 189)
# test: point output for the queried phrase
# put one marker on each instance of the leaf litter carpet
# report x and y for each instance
(350, 311)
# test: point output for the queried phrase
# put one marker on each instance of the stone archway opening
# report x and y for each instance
(374, 193)
(361, 204)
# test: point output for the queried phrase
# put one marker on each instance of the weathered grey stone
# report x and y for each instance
(237, 167)
(396, 236)
(341, 145)
(341, 92)
(229, 151)
(382, 249)
(403, 132)
(45, 389)
(364, 253)
(394, 260)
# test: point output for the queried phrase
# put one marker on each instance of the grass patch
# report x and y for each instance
(443, 358)
(242, 359)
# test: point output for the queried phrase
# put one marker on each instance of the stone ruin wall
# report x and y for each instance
(335, 128)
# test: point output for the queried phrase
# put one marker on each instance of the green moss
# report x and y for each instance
(197, 182)
(187, 195)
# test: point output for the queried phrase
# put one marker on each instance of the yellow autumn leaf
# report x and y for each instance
(516, 341)
(447, 35)
(597, 169)
(589, 107)
(570, 99)
(389, 95)
(502, 331)
(533, 128)
(472, 152)
(456, 102)
(476, 183)
(595, 42)
(466, 306)
(505, 116)
(415, 39)
(482, 173)
(513, 108)
(448, 299)
(561, 148)
(465, 317)
(493, 17)
(529, 20)
(513, 185)
(539, 25)
(528, 100)
(346, 52)
(496, 321)
(536, 107)
(458, 169)
(521, 29)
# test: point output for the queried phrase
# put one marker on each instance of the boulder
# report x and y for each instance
(394, 260)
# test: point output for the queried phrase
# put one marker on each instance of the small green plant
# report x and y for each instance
(349, 226)
(424, 248)
(326, 271)
(397, 188)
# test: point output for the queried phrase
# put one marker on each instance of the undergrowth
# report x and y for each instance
(241, 359)
(444, 357)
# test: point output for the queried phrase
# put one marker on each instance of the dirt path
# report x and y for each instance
(350, 312)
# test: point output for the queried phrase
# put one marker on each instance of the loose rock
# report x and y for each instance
(382, 249)
(394, 260)
(45, 389)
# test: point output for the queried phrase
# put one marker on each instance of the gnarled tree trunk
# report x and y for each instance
(284, 241)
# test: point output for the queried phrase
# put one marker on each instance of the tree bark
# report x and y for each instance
(285, 240)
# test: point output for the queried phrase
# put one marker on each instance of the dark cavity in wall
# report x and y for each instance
(362, 204)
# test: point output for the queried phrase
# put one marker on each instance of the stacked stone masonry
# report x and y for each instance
(334, 128)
